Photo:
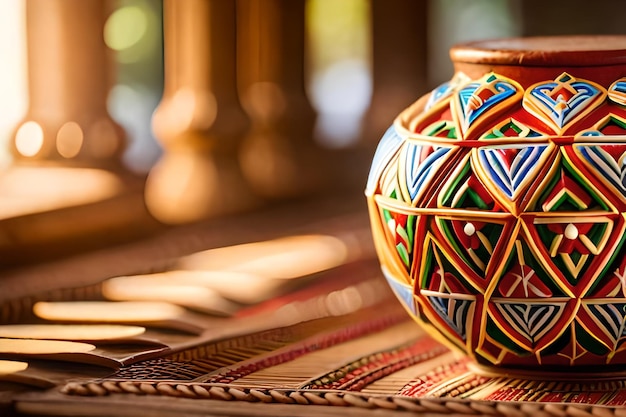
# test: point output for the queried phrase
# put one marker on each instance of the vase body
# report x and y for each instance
(498, 203)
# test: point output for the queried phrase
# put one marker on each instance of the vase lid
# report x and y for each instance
(545, 51)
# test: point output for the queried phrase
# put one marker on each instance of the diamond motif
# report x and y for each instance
(511, 169)
(607, 162)
(486, 97)
(532, 324)
(422, 164)
(564, 101)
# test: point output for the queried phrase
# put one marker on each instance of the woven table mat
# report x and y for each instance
(375, 359)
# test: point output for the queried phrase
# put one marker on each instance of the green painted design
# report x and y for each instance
(613, 122)
(612, 264)
(466, 191)
(443, 128)
(404, 255)
(588, 342)
(567, 202)
(431, 278)
(511, 125)
(491, 231)
(500, 337)
(548, 235)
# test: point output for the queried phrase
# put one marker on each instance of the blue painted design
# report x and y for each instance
(532, 321)
(510, 178)
(592, 133)
(617, 92)
(402, 291)
(418, 171)
(619, 86)
(387, 148)
(604, 165)
(438, 94)
(611, 318)
(453, 311)
(473, 105)
(560, 110)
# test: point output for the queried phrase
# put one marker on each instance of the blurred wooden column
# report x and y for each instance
(199, 122)
(279, 157)
(68, 81)
(399, 46)
(558, 17)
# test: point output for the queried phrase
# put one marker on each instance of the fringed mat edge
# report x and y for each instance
(224, 392)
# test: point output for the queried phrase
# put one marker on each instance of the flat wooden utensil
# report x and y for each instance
(184, 294)
(103, 333)
(140, 313)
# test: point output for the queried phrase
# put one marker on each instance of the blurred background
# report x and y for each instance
(117, 111)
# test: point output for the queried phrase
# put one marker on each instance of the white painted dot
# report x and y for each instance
(571, 232)
(469, 229)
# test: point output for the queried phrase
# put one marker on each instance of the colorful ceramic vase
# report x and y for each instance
(498, 203)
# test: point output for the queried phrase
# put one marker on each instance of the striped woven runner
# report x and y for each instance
(373, 359)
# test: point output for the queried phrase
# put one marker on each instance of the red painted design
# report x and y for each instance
(568, 245)
(522, 282)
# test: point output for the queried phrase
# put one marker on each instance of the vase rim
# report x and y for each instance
(544, 51)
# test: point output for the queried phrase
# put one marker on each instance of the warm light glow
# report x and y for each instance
(285, 258)
(236, 286)
(265, 100)
(26, 190)
(11, 367)
(181, 187)
(42, 347)
(104, 311)
(104, 139)
(336, 303)
(13, 72)
(187, 108)
(125, 28)
(29, 139)
(195, 297)
(70, 331)
(69, 140)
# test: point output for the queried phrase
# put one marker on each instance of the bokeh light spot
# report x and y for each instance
(69, 140)
(29, 139)
(125, 28)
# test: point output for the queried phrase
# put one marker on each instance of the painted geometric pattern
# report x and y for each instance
(402, 231)
(617, 91)
(421, 162)
(403, 291)
(509, 228)
(445, 90)
(511, 128)
(511, 168)
(478, 100)
(387, 147)
(561, 102)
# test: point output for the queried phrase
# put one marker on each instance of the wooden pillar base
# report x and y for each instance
(279, 157)
(199, 122)
(190, 185)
